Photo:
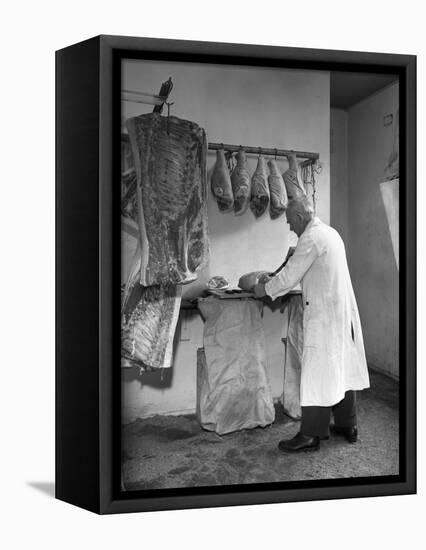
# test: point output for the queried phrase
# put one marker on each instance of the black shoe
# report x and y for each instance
(300, 442)
(350, 433)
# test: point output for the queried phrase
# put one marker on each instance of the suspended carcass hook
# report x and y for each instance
(168, 114)
(229, 160)
(165, 90)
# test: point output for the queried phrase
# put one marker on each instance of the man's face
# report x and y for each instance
(294, 220)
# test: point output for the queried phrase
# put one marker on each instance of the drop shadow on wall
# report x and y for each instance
(46, 487)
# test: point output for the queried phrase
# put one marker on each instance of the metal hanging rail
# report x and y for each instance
(158, 100)
(310, 161)
(141, 97)
(263, 151)
(307, 155)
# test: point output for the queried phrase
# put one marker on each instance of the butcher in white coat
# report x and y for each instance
(333, 360)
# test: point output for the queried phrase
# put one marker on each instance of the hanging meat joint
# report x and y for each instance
(294, 188)
(259, 189)
(277, 190)
(170, 160)
(221, 183)
(241, 184)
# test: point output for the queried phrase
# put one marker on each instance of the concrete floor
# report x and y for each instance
(174, 451)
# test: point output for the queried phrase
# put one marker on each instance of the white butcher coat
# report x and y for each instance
(333, 359)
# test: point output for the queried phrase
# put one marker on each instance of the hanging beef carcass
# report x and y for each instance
(128, 195)
(259, 189)
(221, 183)
(170, 160)
(294, 188)
(278, 195)
(240, 180)
(148, 321)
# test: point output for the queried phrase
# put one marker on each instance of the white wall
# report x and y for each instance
(251, 106)
(372, 263)
(339, 209)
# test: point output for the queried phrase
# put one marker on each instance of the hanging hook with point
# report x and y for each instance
(168, 113)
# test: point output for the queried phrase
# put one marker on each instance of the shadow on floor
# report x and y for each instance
(174, 451)
(46, 487)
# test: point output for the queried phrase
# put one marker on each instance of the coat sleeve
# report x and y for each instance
(304, 255)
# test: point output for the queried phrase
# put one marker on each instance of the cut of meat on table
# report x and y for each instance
(221, 183)
(217, 282)
(249, 280)
(259, 189)
(278, 194)
(148, 324)
(170, 160)
(294, 188)
(241, 185)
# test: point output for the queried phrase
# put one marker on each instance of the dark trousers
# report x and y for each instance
(316, 420)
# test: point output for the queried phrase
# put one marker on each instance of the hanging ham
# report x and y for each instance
(221, 183)
(240, 181)
(277, 190)
(259, 189)
(170, 160)
(294, 188)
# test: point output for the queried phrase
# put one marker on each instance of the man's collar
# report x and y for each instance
(315, 219)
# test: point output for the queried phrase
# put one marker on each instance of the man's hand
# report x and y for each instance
(264, 278)
(259, 290)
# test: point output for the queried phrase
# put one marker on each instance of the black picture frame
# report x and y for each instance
(87, 274)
